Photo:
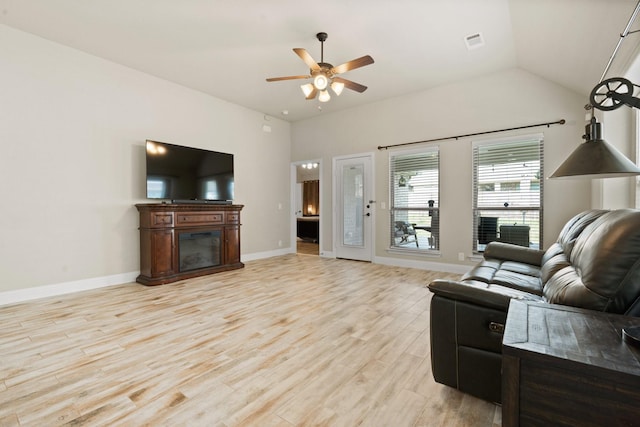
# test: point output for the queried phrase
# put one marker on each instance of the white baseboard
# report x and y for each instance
(37, 292)
(21, 295)
(423, 265)
(28, 294)
(267, 254)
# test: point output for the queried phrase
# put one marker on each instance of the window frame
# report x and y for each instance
(500, 212)
(428, 217)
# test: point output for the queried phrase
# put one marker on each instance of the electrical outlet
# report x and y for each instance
(460, 256)
(279, 243)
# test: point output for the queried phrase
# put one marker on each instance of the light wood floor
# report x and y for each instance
(307, 248)
(288, 341)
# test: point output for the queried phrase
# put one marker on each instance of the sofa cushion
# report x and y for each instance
(574, 227)
(509, 252)
(604, 265)
(483, 271)
(554, 261)
(519, 281)
(557, 256)
(521, 268)
(515, 275)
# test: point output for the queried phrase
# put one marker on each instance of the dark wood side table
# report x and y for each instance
(568, 366)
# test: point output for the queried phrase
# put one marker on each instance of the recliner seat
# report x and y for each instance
(594, 264)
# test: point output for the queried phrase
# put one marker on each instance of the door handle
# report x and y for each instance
(367, 214)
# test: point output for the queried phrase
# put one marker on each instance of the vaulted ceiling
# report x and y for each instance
(227, 48)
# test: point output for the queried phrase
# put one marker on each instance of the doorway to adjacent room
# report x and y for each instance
(307, 214)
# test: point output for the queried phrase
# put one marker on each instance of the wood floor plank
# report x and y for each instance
(294, 340)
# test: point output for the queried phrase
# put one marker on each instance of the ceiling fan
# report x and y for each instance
(324, 74)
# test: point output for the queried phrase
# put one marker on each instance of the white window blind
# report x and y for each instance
(414, 211)
(507, 191)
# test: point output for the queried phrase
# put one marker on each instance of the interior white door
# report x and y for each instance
(354, 208)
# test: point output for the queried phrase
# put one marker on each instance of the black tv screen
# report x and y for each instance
(181, 173)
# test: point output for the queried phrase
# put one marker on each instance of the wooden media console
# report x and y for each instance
(179, 241)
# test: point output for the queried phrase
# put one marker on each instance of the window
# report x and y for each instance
(414, 206)
(513, 212)
(510, 186)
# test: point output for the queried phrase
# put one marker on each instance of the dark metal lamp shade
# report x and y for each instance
(596, 159)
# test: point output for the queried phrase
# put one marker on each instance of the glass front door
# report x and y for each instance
(355, 210)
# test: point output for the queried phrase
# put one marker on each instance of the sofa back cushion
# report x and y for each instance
(574, 228)
(557, 256)
(601, 269)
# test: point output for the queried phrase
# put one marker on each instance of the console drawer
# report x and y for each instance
(200, 218)
(161, 219)
(233, 218)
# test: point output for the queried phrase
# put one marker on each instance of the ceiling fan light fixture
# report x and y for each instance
(321, 81)
(337, 87)
(323, 74)
(307, 89)
(324, 96)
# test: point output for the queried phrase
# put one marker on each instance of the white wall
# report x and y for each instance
(72, 129)
(617, 129)
(504, 100)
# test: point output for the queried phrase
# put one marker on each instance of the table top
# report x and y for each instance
(571, 334)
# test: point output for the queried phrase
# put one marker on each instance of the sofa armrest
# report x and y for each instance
(480, 293)
(473, 292)
(509, 252)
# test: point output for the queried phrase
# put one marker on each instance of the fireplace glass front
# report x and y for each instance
(199, 250)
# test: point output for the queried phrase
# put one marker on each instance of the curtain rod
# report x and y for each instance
(548, 124)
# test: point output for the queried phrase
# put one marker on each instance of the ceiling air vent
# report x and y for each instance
(474, 41)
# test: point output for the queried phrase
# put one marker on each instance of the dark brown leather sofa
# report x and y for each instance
(594, 264)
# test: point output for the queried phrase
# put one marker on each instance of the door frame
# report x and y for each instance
(293, 238)
(370, 188)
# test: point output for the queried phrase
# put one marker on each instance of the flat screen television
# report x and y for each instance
(185, 174)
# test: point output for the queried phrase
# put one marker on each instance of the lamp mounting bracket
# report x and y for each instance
(630, 32)
(613, 93)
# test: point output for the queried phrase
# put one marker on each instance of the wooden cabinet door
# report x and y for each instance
(232, 244)
(162, 263)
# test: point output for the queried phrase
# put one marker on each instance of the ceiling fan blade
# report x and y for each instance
(304, 55)
(313, 93)
(350, 85)
(277, 79)
(352, 65)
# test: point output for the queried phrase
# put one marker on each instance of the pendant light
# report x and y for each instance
(596, 158)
